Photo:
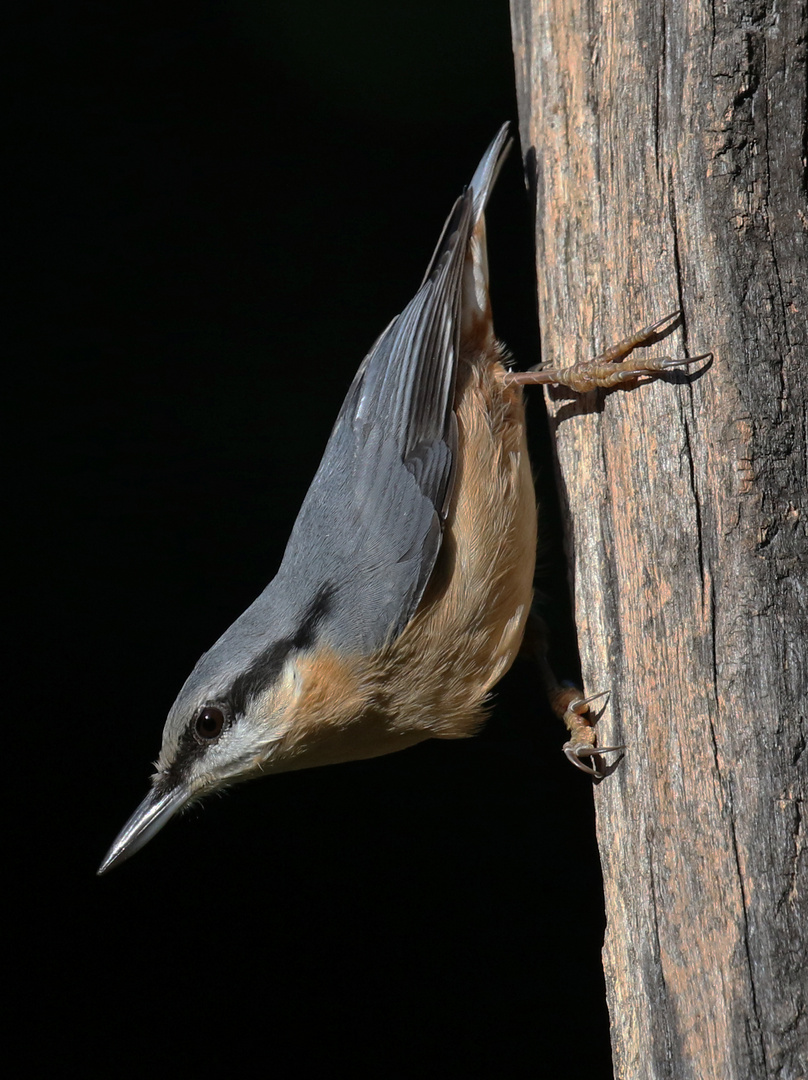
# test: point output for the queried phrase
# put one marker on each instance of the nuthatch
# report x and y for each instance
(404, 590)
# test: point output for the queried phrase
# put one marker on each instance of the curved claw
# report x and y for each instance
(584, 740)
(579, 706)
(683, 361)
(576, 752)
(654, 327)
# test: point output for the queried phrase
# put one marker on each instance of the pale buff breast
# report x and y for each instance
(469, 625)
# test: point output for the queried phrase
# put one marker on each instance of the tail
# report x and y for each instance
(476, 319)
(482, 182)
(488, 170)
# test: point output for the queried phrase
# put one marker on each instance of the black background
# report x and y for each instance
(220, 206)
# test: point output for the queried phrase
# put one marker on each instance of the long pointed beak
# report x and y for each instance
(148, 819)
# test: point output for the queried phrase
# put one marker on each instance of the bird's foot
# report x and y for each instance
(569, 703)
(582, 748)
(611, 368)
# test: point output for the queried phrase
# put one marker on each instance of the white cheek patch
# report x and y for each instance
(250, 739)
(240, 744)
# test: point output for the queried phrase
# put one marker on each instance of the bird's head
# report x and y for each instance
(229, 723)
(255, 705)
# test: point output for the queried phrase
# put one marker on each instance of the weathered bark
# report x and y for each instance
(667, 145)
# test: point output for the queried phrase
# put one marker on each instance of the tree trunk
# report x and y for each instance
(667, 145)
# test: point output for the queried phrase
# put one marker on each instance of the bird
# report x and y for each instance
(406, 585)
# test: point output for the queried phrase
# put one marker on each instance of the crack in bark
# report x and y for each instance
(691, 468)
(659, 970)
(789, 891)
(658, 90)
(610, 592)
(758, 1033)
(677, 263)
(713, 644)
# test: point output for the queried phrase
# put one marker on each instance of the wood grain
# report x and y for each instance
(666, 146)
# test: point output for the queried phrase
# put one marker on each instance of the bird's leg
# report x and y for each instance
(611, 368)
(572, 707)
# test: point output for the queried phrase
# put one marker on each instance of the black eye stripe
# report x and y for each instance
(267, 666)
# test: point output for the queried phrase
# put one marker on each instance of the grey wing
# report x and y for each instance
(370, 528)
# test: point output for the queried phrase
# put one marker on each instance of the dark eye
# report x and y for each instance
(209, 723)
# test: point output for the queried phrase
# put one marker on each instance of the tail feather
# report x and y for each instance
(477, 326)
(481, 184)
(487, 171)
